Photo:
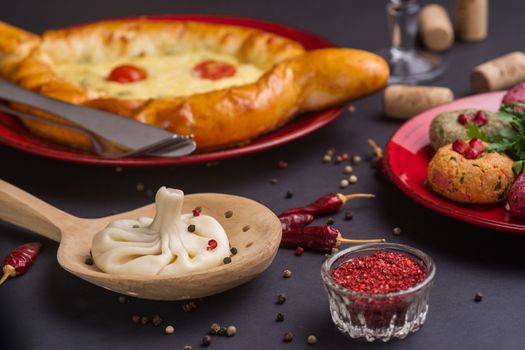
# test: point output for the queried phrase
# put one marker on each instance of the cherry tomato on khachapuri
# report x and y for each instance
(214, 70)
(127, 73)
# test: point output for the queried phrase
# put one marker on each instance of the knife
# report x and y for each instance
(121, 131)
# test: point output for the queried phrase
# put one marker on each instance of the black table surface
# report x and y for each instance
(48, 308)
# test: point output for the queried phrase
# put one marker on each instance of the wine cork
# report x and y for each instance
(405, 101)
(436, 28)
(499, 73)
(472, 19)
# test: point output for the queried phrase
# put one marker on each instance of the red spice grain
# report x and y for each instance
(299, 251)
(379, 273)
(212, 244)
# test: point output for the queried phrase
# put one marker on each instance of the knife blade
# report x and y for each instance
(121, 131)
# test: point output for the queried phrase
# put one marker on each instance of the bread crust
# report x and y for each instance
(295, 81)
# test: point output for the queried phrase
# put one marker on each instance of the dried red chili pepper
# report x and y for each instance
(326, 204)
(293, 221)
(319, 238)
(19, 260)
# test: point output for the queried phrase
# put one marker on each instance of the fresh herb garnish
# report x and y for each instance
(511, 139)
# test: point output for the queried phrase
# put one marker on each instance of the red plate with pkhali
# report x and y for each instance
(14, 134)
(408, 153)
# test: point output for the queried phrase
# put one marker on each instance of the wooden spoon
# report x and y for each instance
(257, 246)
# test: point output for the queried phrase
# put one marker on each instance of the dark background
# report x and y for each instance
(49, 308)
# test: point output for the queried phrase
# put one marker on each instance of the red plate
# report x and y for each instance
(14, 134)
(408, 153)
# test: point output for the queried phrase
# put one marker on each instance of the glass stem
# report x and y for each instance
(402, 22)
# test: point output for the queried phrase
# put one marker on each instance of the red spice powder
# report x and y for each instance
(379, 273)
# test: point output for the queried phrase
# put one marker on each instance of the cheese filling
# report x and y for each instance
(163, 245)
(169, 75)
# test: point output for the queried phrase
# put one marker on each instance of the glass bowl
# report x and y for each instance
(378, 316)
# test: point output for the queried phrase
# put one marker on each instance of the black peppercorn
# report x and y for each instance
(281, 298)
(228, 214)
(478, 297)
(288, 195)
(206, 340)
(89, 261)
(144, 320)
(233, 250)
(191, 228)
(227, 260)
(288, 337)
(245, 228)
(156, 320)
(330, 221)
(215, 328)
(279, 317)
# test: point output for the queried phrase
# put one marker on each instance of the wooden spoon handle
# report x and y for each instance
(22, 209)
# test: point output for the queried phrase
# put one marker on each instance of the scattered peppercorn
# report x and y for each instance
(396, 231)
(135, 318)
(156, 320)
(233, 250)
(189, 306)
(327, 158)
(122, 299)
(288, 337)
(288, 195)
(312, 339)
(144, 320)
(338, 159)
(206, 340)
(344, 156)
(299, 251)
(89, 261)
(227, 260)
(118, 169)
(215, 328)
(281, 298)
(228, 214)
(287, 273)
(347, 169)
(351, 108)
(245, 228)
(169, 329)
(344, 183)
(348, 215)
(330, 151)
(330, 221)
(352, 179)
(231, 331)
(191, 228)
(478, 297)
(356, 159)
(279, 317)
(187, 347)
(140, 187)
(273, 181)
(282, 164)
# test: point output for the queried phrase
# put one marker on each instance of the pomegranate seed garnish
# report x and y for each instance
(464, 118)
(460, 146)
(299, 251)
(471, 154)
(477, 145)
(196, 212)
(212, 244)
(480, 118)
